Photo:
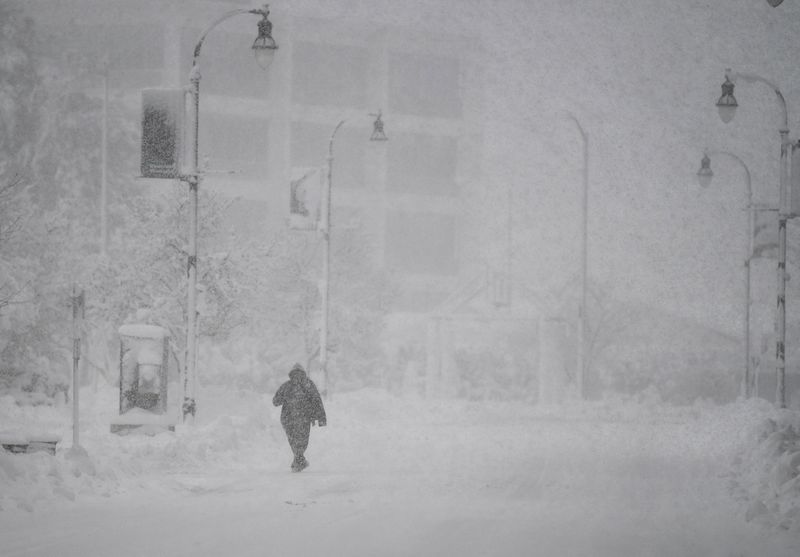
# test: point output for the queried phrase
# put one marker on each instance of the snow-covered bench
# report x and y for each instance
(28, 443)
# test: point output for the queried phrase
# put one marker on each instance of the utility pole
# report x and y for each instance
(104, 165)
(727, 105)
(325, 228)
(264, 48)
(580, 370)
(783, 215)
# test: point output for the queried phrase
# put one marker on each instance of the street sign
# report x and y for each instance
(304, 198)
(162, 133)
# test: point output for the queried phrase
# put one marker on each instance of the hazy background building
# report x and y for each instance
(259, 129)
(482, 174)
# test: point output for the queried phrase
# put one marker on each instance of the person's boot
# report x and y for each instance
(302, 463)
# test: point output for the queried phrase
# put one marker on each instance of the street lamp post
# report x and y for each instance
(581, 329)
(704, 176)
(264, 49)
(325, 228)
(727, 105)
(104, 164)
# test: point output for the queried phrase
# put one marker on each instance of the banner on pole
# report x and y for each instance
(794, 182)
(765, 233)
(305, 195)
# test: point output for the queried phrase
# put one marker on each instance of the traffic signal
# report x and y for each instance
(162, 133)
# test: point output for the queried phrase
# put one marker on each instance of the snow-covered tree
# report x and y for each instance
(360, 299)
(278, 304)
(18, 87)
(264, 294)
(50, 153)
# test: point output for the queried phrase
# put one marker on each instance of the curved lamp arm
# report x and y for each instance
(572, 117)
(753, 78)
(748, 186)
(227, 15)
(333, 135)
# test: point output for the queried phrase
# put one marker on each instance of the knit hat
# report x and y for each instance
(297, 370)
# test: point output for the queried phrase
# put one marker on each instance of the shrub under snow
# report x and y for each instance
(767, 471)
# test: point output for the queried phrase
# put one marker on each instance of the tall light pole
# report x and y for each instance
(704, 176)
(325, 228)
(264, 48)
(104, 164)
(727, 105)
(581, 329)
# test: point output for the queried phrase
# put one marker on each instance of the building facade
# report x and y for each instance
(260, 129)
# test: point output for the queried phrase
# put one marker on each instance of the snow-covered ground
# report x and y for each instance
(393, 476)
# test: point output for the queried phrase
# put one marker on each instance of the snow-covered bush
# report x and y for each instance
(767, 471)
(680, 359)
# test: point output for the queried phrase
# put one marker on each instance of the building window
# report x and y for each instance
(309, 146)
(329, 75)
(421, 243)
(422, 164)
(418, 301)
(246, 218)
(424, 85)
(114, 43)
(236, 144)
(350, 219)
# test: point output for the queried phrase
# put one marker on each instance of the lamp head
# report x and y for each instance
(704, 175)
(377, 129)
(726, 105)
(264, 46)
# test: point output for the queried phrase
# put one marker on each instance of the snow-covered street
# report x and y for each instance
(529, 269)
(390, 476)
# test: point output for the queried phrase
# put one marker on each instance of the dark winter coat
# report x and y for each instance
(300, 400)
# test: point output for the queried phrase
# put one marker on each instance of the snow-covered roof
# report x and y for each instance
(143, 331)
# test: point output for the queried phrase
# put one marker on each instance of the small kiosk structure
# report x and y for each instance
(143, 374)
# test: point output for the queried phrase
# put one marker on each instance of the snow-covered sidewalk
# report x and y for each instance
(410, 477)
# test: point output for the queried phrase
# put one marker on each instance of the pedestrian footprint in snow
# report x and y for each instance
(302, 406)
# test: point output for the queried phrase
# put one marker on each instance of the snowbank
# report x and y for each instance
(754, 445)
(235, 425)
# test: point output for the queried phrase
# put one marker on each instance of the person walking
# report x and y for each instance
(302, 406)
